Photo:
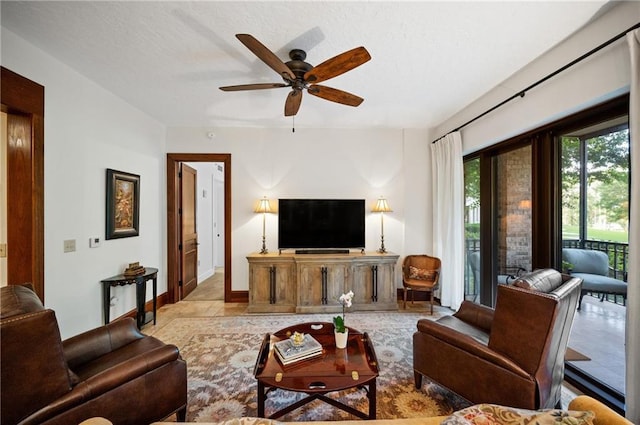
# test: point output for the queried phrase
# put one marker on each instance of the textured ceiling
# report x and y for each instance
(429, 59)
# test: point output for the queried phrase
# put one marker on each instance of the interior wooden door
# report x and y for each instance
(23, 102)
(188, 232)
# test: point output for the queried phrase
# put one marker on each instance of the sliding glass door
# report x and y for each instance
(595, 217)
(564, 185)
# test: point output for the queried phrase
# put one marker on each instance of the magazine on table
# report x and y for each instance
(288, 352)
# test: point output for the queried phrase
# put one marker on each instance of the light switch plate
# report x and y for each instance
(94, 242)
(69, 245)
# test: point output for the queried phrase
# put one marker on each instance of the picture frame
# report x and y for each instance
(123, 204)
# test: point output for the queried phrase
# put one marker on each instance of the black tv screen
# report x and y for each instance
(321, 223)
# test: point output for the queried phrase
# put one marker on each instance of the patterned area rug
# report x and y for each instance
(221, 352)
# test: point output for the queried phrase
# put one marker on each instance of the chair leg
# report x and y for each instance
(181, 414)
(417, 376)
(431, 301)
(580, 300)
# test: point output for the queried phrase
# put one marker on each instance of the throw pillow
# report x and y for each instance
(421, 274)
(493, 414)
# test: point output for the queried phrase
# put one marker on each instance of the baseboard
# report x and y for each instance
(161, 300)
(238, 297)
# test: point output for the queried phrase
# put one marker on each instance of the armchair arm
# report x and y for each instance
(477, 315)
(467, 344)
(107, 380)
(604, 414)
(92, 344)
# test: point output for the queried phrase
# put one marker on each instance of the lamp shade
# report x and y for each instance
(263, 206)
(381, 206)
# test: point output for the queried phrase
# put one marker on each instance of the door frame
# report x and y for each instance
(173, 227)
(21, 96)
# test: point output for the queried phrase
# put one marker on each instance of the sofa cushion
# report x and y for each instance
(542, 280)
(421, 274)
(493, 414)
(598, 283)
(586, 261)
(18, 299)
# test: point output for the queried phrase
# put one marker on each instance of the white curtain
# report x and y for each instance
(632, 396)
(448, 216)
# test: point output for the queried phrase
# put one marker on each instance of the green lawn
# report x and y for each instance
(571, 232)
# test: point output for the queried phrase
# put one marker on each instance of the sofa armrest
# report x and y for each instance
(604, 414)
(107, 380)
(95, 343)
(477, 315)
(468, 344)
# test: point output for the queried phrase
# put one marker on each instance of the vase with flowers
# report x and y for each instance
(341, 332)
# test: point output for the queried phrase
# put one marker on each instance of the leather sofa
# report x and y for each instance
(513, 355)
(113, 371)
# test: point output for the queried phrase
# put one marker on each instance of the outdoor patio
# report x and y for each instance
(598, 333)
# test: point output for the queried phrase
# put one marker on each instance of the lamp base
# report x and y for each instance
(264, 246)
(382, 250)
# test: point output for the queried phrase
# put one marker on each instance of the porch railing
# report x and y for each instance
(617, 252)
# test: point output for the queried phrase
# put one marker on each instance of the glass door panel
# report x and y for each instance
(595, 216)
(513, 213)
(472, 229)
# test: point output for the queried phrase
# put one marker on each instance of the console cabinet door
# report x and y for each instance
(374, 285)
(272, 287)
(320, 286)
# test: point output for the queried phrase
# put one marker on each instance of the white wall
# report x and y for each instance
(597, 78)
(88, 130)
(320, 163)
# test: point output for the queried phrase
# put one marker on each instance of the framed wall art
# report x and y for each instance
(123, 204)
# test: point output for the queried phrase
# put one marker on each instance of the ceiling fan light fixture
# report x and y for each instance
(300, 75)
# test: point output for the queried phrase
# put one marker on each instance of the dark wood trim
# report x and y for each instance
(173, 228)
(238, 297)
(23, 101)
(161, 299)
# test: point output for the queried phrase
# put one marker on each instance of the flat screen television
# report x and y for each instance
(321, 223)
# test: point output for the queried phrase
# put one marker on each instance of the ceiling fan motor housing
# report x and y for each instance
(297, 65)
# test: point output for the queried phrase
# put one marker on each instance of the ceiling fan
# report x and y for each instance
(300, 75)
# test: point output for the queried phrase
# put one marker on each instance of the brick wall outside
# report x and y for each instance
(514, 210)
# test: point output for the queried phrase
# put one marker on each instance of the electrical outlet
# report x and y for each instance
(3, 250)
(94, 242)
(69, 245)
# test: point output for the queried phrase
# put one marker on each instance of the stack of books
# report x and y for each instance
(134, 269)
(288, 352)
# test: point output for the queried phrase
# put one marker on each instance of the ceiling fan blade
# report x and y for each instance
(266, 56)
(335, 95)
(337, 65)
(258, 86)
(292, 105)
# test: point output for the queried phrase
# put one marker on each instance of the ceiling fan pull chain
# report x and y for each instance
(293, 127)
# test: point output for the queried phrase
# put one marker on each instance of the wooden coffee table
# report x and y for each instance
(336, 369)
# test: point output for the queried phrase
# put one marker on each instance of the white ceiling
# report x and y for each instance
(429, 59)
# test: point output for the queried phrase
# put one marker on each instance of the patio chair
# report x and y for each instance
(593, 268)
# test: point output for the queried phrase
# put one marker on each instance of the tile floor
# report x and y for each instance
(598, 332)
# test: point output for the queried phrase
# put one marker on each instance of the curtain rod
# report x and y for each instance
(521, 93)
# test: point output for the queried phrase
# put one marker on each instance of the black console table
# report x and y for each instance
(141, 290)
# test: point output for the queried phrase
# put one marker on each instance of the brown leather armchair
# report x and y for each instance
(112, 371)
(420, 273)
(513, 355)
